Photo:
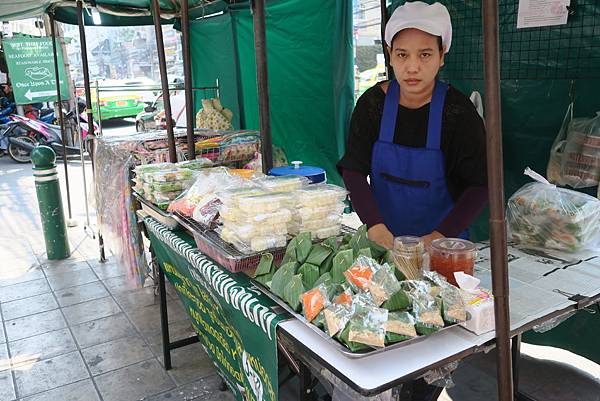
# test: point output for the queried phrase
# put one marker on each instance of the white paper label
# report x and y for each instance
(536, 13)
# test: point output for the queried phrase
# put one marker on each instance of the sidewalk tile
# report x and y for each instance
(81, 293)
(61, 281)
(177, 331)
(33, 325)
(43, 346)
(2, 336)
(206, 389)
(29, 306)
(135, 300)
(134, 382)
(147, 319)
(108, 270)
(116, 354)
(91, 310)
(80, 391)
(50, 374)
(189, 363)
(10, 277)
(120, 284)
(103, 330)
(24, 290)
(7, 389)
(4, 359)
(67, 266)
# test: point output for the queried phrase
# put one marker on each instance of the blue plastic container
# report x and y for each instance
(316, 175)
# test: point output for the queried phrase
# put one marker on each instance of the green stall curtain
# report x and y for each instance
(543, 70)
(309, 56)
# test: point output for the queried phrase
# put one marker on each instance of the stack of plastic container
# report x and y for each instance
(160, 184)
(255, 219)
(318, 209)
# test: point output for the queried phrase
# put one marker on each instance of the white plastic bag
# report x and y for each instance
(542, 215)
(580, 163)
(556, 152)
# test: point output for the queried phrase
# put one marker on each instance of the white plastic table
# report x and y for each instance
(543, 287)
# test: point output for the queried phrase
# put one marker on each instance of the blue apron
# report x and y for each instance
(409, 183)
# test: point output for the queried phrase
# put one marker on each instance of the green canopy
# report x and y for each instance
(112, 12)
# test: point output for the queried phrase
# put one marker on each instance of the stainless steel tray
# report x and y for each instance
(335, 344)
(156, 213)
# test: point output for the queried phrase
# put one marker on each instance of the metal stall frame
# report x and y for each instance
(162, 65)
(494, 148)
(88, 103)
(61, 120)
(495, 168)
(262, 83)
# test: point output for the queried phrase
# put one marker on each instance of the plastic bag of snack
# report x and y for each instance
(207, 211)
(427, 311)
(344, 297)
(314, 301)
(197, 164)
(336, 317)
(383, 284)
(400, 326)
(453, 305)
(542, 215)
(367, 326)
(360, 274)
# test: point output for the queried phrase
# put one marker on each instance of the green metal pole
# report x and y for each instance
(50, 202)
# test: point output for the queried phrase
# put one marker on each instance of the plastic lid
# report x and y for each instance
(297, 169)
(452, 245)
(409, 244)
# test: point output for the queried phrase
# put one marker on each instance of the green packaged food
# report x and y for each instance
(197, 164)
(545, 216)
(383, 284)
(293, 291)
(367, 326)
(176, 174)
(400, 326)
(170, 186)
(453, 305)
(336, 317)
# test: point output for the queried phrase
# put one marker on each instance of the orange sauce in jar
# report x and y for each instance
(450, 255)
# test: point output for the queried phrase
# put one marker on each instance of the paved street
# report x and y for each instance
(76, 330)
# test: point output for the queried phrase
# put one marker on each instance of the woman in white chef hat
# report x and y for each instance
(420, 141)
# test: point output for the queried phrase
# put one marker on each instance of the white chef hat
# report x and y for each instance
(433, 19)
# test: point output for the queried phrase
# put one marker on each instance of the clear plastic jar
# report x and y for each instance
(409, 255)
(450, 255)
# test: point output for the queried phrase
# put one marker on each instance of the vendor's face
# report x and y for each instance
(416, 59)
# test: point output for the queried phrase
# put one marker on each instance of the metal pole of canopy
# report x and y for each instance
(260, 48)
(495, 168)
(162, 64)
(384, 18)
(60, 115)
(187, 77)
(88, 102)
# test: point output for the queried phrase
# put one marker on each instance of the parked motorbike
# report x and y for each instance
(16, 142)
(24, 134)
(6, 109)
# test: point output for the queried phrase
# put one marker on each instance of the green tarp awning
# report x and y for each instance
(112, 12)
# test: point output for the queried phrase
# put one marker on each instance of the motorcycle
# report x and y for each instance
(24, 134)
(6, 109)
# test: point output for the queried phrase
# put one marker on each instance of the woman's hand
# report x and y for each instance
(380, 234)
(430, 237)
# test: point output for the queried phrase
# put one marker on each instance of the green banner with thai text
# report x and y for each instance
(31, 70)
(235, 322)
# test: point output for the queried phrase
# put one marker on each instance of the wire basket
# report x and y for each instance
(228, 147)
